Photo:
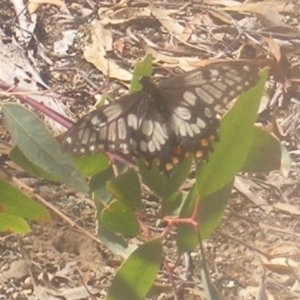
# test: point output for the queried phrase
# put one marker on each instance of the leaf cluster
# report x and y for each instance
(242, 147)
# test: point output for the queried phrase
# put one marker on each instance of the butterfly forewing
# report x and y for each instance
(164, 122)
(127, 126)
(198, 96)
(104, 129)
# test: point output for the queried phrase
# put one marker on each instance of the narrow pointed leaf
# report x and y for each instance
(14, 202)
(236, 134)
(39, 146)
(21, 160)
(211, 292)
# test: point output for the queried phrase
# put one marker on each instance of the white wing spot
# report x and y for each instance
(234, 76)
(157, 142)
(84, 136)
(191, 79)
(208, 112)
(195, 128)
(232, 93)
(132, 121)
(221, 86)
(122, 129)
(160, 131)
(217, 107)
(190, 98)
(240, 88)
(207, 98)
(225, 100)
(124, 148)
(226, 67)
(143, 146)
(182, 129)
(102, 133)
(112, 111)
(95, 120)
(159, 138)
(200, 123)
(183, 113)
(212, 90)
(229, 81)
(93, 137)
(69, 140)
(112, 136)
(214, 72)
(151, 147)
(189, 129)
(147, 127)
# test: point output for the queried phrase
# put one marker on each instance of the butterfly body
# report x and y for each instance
(163, 122)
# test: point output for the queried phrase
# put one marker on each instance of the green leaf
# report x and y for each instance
(120, 218)
(141, 69)
(14, 202)
(115, 243)
(126, 188)
(265, 153)
(92, 164)
(98, 184)
(39, 147)
(162, 185)
(211, 292)
(12, 223)
(29, 167)
(172, 205)
(137, 274)
(210, 213)
(236, 134)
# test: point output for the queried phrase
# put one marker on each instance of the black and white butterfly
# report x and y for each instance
(164, 122)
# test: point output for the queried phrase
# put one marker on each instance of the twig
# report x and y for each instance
(56, 211)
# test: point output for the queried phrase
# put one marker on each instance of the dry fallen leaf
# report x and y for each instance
(17, 270)
(170, 24)
(95, 53)
(123, 15)
(280, 265)
(33, 5)
(288, 208)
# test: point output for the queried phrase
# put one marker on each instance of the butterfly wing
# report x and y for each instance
(163, 122)
(194, 99)
(130, 126)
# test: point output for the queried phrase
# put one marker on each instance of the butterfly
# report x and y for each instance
(164, 122)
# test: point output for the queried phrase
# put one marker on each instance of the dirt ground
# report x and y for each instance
(257, 245)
